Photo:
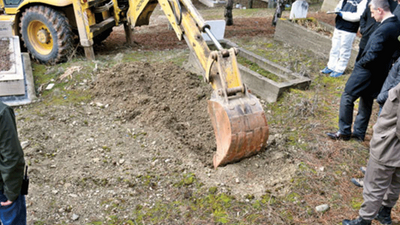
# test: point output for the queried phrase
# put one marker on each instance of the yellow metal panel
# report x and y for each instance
(58, 3)
(11, 11)
(91, 17)
(7, 17)
(116, 12)
(165, 5)
(82, 21)
(196, 41)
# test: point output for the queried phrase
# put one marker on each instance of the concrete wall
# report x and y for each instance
(329, 5)
(302, 37)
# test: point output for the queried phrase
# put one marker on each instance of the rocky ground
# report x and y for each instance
(126, 139)
(4, 55)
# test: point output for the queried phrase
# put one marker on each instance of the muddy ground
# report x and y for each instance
(5, 60)
(136, 146)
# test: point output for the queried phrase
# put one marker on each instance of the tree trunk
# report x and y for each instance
(228, 13)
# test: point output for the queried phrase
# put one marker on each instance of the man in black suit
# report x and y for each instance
(369, 73)
(368, 26)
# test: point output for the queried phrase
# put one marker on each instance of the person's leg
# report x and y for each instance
(363, 116)
(389, 199)
(392, 194)
(335, 50)
(14, 214)
(346, 113)
(377, 180)
(346, 44)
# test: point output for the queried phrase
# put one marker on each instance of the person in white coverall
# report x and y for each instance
(347, 23)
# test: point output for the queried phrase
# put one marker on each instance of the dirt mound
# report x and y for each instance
(164, 97)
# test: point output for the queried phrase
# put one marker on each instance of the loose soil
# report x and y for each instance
(136, 147)
(5, 64)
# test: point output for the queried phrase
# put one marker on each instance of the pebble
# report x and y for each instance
(75, 217)
(25, 144)
(322, 208)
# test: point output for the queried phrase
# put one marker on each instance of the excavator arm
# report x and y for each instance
(238, 119)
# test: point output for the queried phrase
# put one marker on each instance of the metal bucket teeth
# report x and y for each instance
(240, 127)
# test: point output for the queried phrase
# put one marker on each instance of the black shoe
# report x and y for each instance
(383, 215)
(338, 136)
(363, 169)
(357, 181)
(358, 221)
(357, 138)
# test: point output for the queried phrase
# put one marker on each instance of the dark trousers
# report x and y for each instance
(346, 114)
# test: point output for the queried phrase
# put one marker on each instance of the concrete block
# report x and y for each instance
(6, 28)
(259, 85)
(329, 5)
(299, 36)
(264, 87)
(17, 84)
(217, 29)
(212, 3)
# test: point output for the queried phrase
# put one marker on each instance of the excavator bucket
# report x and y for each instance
(240, 127)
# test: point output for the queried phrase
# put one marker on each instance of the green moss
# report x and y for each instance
(293, 197)
(212, 190)
(287, 215)
(268, 199)
(356, 203)
(188, 179)
(253, 66)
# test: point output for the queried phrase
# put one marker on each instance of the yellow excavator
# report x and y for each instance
(47, 29)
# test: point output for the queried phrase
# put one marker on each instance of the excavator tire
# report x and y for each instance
(46, 34)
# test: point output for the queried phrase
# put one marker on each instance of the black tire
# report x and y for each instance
(46, 34)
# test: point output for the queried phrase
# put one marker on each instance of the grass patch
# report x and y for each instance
(255, 67)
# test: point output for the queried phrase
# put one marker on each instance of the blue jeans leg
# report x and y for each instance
(14, 214)
(363, 116)
(346, 113)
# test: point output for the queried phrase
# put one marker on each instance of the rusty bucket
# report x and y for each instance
(240, 128)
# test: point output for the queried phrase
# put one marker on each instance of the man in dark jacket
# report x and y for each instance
(391, 81)
(13, 206)
(368, 26)
(369, 73)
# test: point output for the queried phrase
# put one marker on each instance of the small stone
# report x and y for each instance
(73, 195)
(50, 86)
(322, 208)
(75, 217)
(25, 144)
(237, 180)
(121, 161)
(322, 169)
(54, 191)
